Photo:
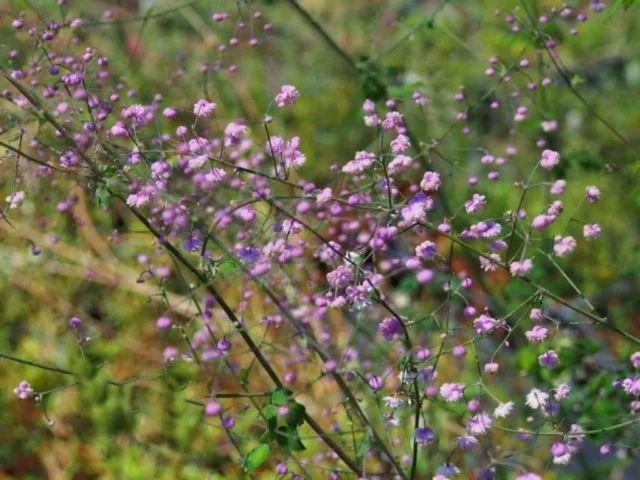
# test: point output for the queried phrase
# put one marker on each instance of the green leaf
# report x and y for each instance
(256, 457)
(280, 396)
(295, 417)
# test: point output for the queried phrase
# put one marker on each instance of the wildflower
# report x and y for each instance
(549, 359)
(170, 354)
(467, 441)
(74, 322)
(503, 410)
(562, 392)
(287, 96)
(399, 163)
(592, 194)
(449, 470)
(400, 145)
(563, 246)
(537, 398)
(394, 402)
(137, 199)
(203, 108)
(529, 476)
(212, 408)
(520, 269)
(375, 382)
(491, 367)
(424, 436)
(562, 459)
(479, 424)
(360, 163)
(392, 121)
(549, 159)
(16, 199)
(485, 323)
(488, 265)
(324, 196)
(390, 328)
(426, 250)
(536, 314)
(631, 386)
(23, 390)
(430, 181)
(476, 203)
(452, 392)
(558, 187)
(414, 211)
(591, 231)
(233, 133)
(340, 277)
(537, 334)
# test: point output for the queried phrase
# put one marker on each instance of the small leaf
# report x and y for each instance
(295, 417)
(256, 457)
(280, 396)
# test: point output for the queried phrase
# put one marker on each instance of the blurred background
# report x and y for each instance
(394, 47)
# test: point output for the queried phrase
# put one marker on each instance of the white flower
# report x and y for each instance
(16, 199)
(537, 398)
(394, 402)
(562, 392)
(563, 459)
(503, 410)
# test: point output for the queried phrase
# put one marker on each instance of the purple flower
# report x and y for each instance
(376, 383)
(479, 424)
(287, 96)
(549, 359)
(23, 390)
(340, 277)
(390, 328)
(452, 392)
(424, 436)
(74, 322)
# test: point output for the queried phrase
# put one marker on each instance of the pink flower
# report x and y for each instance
(360, 163)
(520, 269)
(549, 159)
(536, 334)
(430, 181)
(287, 96)
(491, 367)
(340, 277)
(563, 246)
(452, 392)
(426, 249)
(400, 145)
(489, 266)
(392, 121)
(324, 196)
(503, 410)
(16, 199)
(591, 231)
(399, 163)
(485, 324)
(476, 203)
(23, 390)
(592, 193)
(202, 108)
(558, 187)
(536, 314)
(479, 424)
